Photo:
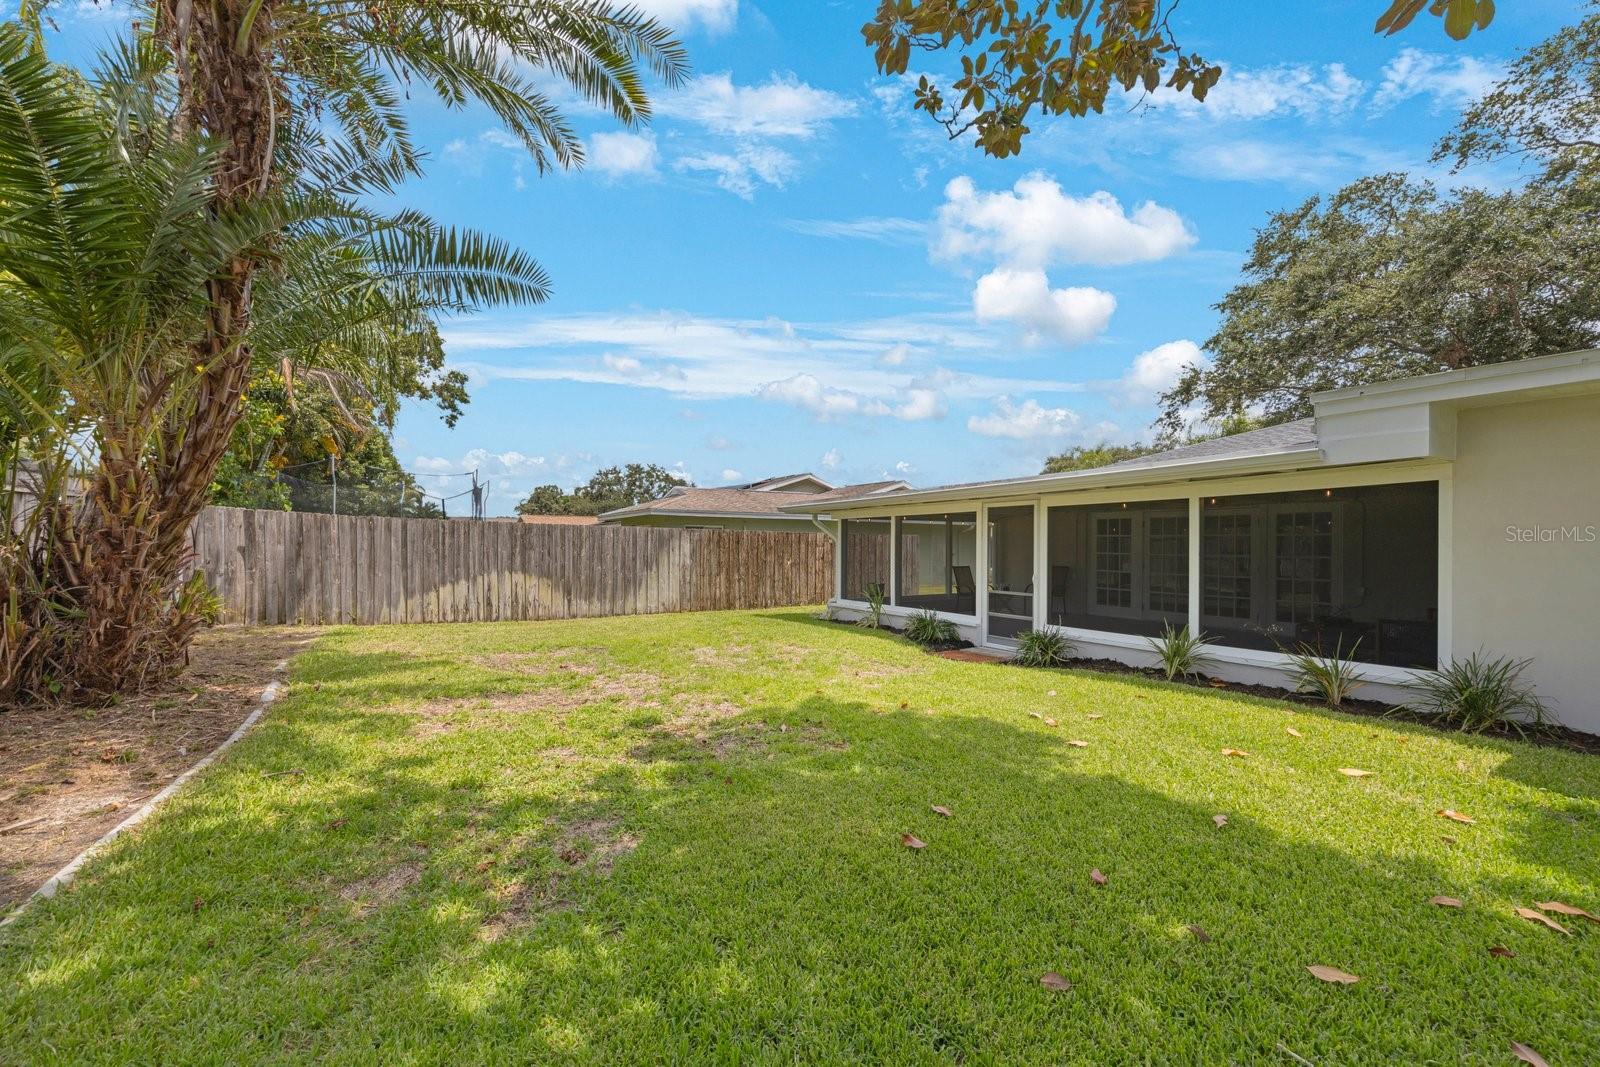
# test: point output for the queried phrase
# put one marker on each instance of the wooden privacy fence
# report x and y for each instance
(298, 567)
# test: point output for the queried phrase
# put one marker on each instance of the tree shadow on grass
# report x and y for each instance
(767, 910)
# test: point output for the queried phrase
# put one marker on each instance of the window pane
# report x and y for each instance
(1119, 568)
(1347, 570)
(937, 563)
(866, 557)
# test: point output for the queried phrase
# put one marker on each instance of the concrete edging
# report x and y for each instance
(66, 874)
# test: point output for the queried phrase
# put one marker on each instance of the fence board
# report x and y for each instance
(278, 567)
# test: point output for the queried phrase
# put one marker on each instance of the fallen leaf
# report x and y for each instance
(1051, 723)
(1220, 820)
(337, 823)
(1541, 917)
(940, 809)
(1565, 909)
(1447, 839)
(904, 704)
(783, 728)
(1332, 974)
(1456, 816)
(1217, 683)
(1234, 752)
(1502, 951)
(1199, 933)
(1078, 744)
(1445, 902)
(1527, 1055)
(1034, 715)
(1352, 772)
(1053, 981)
(912, 841)
(1051, 693)
(1292, 732)
(1097, 877)
(1096, 715)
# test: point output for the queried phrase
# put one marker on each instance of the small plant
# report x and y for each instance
(927, 628)
(1332, 678)
(873, 619)
(1479, 692)
(1043, 648)
(1181, 652)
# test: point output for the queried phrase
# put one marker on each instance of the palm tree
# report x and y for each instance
(111, 237)
(275, 114)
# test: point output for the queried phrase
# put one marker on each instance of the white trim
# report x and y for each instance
(1195, 544)
(1444, 591)
(891, 611)
(1564, 371)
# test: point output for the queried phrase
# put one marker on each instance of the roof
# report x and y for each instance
(740, 501)
(782, 481)
(1405, 419)
(560, 520)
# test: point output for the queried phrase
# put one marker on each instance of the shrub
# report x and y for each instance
(1181, 652)
(927, 628)
(1331, 678)
(873, 619)
(1479, 692)
(1043, 648)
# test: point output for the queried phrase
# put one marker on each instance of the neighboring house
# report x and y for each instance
(559, 520)
(1408, 523)
(752, 506)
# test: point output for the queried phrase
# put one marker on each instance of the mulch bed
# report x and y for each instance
(69, 774)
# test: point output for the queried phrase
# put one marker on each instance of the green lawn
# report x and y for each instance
(678, 839)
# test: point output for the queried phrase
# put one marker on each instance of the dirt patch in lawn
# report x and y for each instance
(584, 846)
(383, 888)
(67, 775)
(577, 661)
(637, 689)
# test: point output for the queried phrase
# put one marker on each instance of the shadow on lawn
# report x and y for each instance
(768, 910)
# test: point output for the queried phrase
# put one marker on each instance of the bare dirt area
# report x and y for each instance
(69, 774)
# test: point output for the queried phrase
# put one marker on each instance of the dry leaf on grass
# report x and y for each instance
(1456, 816)
(1097, 877)
(1447, 839)
(1199, 933)
(912, 841)
(1051, 693)
(1527, 1055)
(940, 809)
(1234, 752)
(1054, 982)
(1078, 744)
(1051, 722)
(1292, 732)
(1565, 909)
(1034, 715)
(1502, 951)
(1220, 820)
(1543, 919)
(1445, 902)
(1096, 715)
(1332, 974)
(1353, 772)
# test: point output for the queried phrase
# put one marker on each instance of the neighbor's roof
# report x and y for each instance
(740, 502)
(781, 481)
(560, 520)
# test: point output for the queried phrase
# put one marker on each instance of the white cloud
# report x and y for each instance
(895, 356)
(782, 107)
(1035, 224)
(830, 403)
(716, 16)
(1450, 81)
(1267, 92)
(718, 443)
(904, 469)
(831, 460)
(730, 475)
(741, 172)
(620, 154)
(1025, 422)
(1157, 370)
(1024, 297)
(887, 230)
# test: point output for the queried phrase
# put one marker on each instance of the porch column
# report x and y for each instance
(981, 574)
(1041, 565)
(1444, 594)
(893, 592)
(1194, 565)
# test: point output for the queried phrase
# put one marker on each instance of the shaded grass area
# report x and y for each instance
(677, 838)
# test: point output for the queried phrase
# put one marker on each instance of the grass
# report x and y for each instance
(677, 839)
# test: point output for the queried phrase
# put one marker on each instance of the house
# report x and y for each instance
(558, 520)
(1406, 524)
(751, 506)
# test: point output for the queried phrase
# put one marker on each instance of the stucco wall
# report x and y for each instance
(1533, 590)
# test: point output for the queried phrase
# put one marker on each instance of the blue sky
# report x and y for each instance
(789, 270)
